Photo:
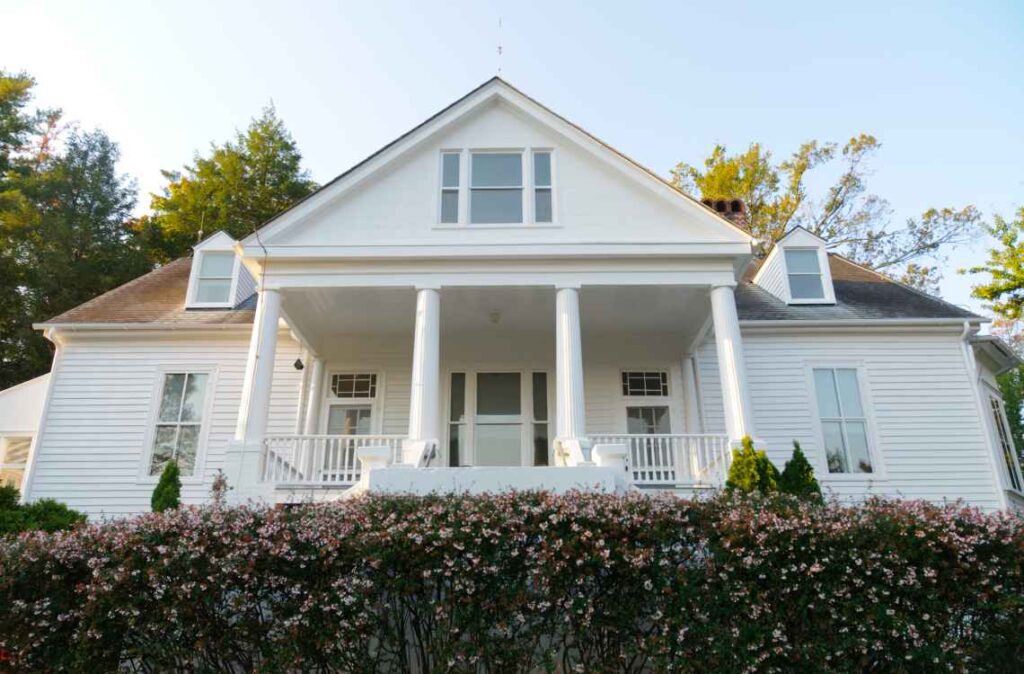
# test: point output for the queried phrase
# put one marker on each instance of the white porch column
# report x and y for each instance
(425, 401)
(242, 462)
(739, 419)
(570, 411)
(691, 405)
(315, 397)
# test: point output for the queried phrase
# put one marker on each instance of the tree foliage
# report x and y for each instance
(798, 477)
(853, 221)
(1005, 266)
(167, 493)
(63, 232)
(235, 188)
(42, 515)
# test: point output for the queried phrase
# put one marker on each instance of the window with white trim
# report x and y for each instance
(803, 268)
(542, 204)
(496, 188)
(450, 187)
(215, 278)
(351, 408)
(648, 420)
(354, 385)
(1005, 443)
(179, 422)
(843, 420)
(644, 384)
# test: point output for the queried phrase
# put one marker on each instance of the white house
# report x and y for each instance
(497, 299)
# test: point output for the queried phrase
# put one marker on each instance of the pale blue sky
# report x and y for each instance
(940, 86)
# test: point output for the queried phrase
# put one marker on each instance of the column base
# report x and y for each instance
(242, 462)
(421, 453)
(574, 451)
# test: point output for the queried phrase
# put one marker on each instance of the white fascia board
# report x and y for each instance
(791, 325)
(255, 254)
(141, 327)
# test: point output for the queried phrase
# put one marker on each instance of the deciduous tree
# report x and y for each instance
(853, 221)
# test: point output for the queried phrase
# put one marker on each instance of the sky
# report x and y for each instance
(938, 83)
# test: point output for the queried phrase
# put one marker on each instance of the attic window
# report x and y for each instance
(215, 277)
(804, 270)
(496, 188)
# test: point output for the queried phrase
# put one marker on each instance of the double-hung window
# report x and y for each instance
(1005, 443)
(804, 270)
(843, 421)
(496, 188)
(542, 206)
(450, 187)
(179, 422)
(351, 408)
(214, 281)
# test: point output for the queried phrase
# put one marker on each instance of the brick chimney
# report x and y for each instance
(733, 210)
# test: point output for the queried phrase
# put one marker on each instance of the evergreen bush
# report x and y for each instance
(798, 477)
(42, 515)
(167, 494)
(751, 470)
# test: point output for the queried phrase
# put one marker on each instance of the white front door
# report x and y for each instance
(499, 419)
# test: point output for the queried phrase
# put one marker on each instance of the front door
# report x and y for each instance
(499, 419)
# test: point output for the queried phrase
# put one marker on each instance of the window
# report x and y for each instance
(540, 419)
(354, 385)
(1005, 444)
(542, 208)
(496, 194)
(450, 187)
(647, 420)
(645, 383)
(216, 272)
(457, 426)
(843, 422)
(804, 272)
(179, 422)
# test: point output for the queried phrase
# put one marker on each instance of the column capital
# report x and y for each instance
(730, 286)
(568, 286)
(428, 286)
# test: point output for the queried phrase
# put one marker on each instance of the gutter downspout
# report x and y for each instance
(974, 378)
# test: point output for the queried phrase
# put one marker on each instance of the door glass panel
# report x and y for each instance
(498, 445)
(456, 441)
(497, 397)
(458, 397)
(349, 420)
(540, 417)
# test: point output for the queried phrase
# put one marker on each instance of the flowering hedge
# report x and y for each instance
(521, 583)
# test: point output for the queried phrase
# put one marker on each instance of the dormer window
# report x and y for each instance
(804, 271)
(218, 279)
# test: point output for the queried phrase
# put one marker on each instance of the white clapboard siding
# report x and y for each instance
(770, 276)
(92, 445)
(929, 437)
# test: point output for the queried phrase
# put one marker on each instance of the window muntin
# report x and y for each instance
(450, 187)
(214, 280)
(179, 422)
(804, 271)
(843, 421)
(354, 385)
(542, 206)
(496, 188)
(648, 420)
(644, 384)
(1005, 443)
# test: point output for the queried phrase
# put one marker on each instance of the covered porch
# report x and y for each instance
(482, 388)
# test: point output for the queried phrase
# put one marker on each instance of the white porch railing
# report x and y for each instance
(669, 460)
(319, 460)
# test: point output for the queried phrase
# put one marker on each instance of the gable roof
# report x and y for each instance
(861, 294)
(487, 91)
(155, 299)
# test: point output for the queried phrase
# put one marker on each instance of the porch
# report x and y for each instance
(480, 390)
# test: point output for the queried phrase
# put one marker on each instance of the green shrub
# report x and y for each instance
(798, 477)
(42, 515)
(526, 582)
(751, 470)
(167, 494)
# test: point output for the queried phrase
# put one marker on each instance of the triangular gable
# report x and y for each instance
(495, 90)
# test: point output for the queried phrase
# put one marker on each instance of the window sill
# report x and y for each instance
(518, 225)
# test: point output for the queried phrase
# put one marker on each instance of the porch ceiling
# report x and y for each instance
(322, 312)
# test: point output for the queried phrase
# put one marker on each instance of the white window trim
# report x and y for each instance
(466, 189)
(673, 400)
(819, 460)
(193, 281)
(991, 391)
(198, 477)
(823, 267)
(375, 403)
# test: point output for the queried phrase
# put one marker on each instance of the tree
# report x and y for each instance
(850, 219)
(238, 187)
(751, 470)
(798, 477)
(1005, 266)
(167, 493)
